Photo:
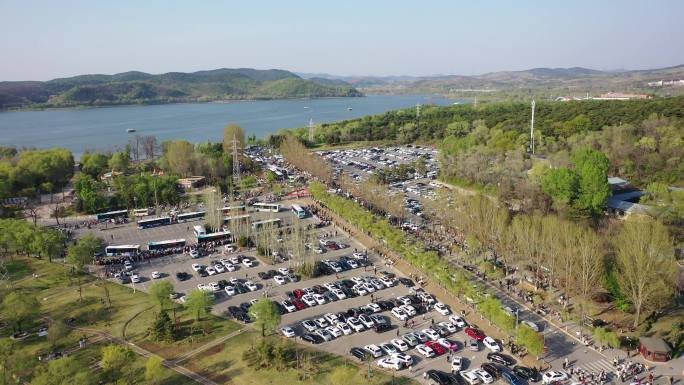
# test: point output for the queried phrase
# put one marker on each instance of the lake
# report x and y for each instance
(104, 128)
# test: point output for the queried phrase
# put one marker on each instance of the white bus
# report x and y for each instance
(241, 219)
(272, 207)
(142, 212)
(186, 217)
(162, 245)
(299, 211)
(230, 209)
(122, 251)
(221, 235)
(199, 230)
(258, 225)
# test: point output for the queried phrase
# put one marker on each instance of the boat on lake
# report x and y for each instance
(130, 130)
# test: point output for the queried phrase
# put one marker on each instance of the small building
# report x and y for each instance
(191, 182)
(621, 96)
(654, 349)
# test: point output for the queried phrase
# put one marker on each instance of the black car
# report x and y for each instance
(312, 338)
(234, 311)
(360, 354)
(243, 317)
(527, 373)
(264, 275)
(456, 379)
(500, 359)
(318, 289)
(183, 276)
(493, 369)
(223, 283)
(385, 305)
(293, 277)
(245, 306)
(330, 296)
(443, 332)
(240, 288)
(438, 376)
(381, 328)
(406, 282)
(203, 273)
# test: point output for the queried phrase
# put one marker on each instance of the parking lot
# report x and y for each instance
(169, 266)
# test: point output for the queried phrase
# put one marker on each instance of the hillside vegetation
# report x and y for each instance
(143, 88)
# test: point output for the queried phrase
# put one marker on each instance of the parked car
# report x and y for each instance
(526, 373)
(491, 344)
(360, 354)
(511, 379)
(554, 376)
(475, 333)
(500, 359)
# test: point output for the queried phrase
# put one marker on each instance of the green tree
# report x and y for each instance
(592, 169)
(83, 253)
(64, 371)
(646, 264)
(199, 303)
(162, 328)
(161, 292)
(120, 161)
(154, 370)
(266, 315)
(56, 333)
(94, 164)
(562, 184)
(115, 358)
(533, 341)
(180, 156)
(18, 308)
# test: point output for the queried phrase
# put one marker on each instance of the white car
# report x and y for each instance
(219, 268)
(330, 317)
(155, 275)
(410, 310)
(247, 262)
(251, 286)
(360, 289)
(456, 363)
(325, 334)
(484, 376)
(229, 266)
(442, 308)
(330, 286)
(309, 325)
(425, 351)
(404, 300)
(352, 263)
(196, 267)
(194, 253)
(553, 376)
(448, 326)
(234, 260)
(211, 271)
(400, 314)
(319, 299)
(470, 377)
(406, 359)
(431, 333)
(308, 300)
(390, 363)
(346, 330)
(334, 330)
(135, 278)
(388, 348)
(458, 321)
(357, 280)
(284, 271)
(366, 321)
(280, 280)
(321, 322)
(369, 287)
(204, 287)
(288, 332)
(491, 344)
(359, 255)
(214, 287)
(374, 350)
(339, 293)
(355, 324)
(401, 345)
(230, 290)
(289, 306)
(388, 282)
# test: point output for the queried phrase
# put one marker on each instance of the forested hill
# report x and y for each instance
(143, 88)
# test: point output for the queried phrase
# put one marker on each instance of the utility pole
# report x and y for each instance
(532, 129)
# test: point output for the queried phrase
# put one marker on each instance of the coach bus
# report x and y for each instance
(122, 251)
(221, 235)
(162, 245)
(190, 216)
(230, 209)
(299, 211)
(111, 215)
(273, 207)
(258, 225)
(199, 230)
(154, 222)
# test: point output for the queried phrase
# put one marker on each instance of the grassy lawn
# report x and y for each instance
(224, 364)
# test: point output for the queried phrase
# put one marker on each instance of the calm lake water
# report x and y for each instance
(105, 128)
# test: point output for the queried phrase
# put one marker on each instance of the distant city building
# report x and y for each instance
(621, 96)
(667, 83)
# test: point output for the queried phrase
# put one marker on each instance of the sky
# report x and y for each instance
(42, 40)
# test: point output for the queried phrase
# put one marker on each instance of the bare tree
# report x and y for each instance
(149, 146)
(646, 263)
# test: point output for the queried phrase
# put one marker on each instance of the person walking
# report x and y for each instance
(565, 363)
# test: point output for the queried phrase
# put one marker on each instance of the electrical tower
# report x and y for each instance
(532, 129)
(418, 110)
(311, 130)
(236, 162)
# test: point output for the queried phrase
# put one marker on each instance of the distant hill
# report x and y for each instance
(575, 79)
(142, 88)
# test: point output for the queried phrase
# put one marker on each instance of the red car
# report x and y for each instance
(475, 333)
(436, 347)
(298, 304)
(332, 246)
(298, 293)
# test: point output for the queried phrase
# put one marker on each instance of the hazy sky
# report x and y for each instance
(53, 38)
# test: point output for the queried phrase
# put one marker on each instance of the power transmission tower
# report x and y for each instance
(418, 110)
(532, 129)
(236, 162)
(311, 130)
